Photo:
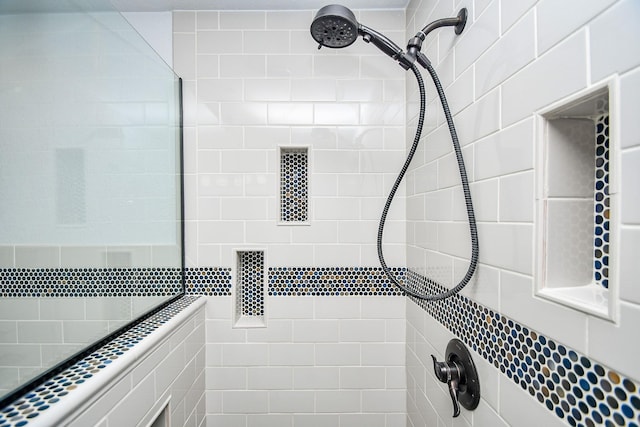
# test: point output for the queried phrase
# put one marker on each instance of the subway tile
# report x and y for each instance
(213, 185)
(216, 90)
(517, 197)
(316, 378)
(184, 21)
(315, 331)
(206, 20)
(367, 420)
(245, 354)
(555, 22)
(206, 66)
(39, 332)
(337, 401)
(289, 19)
(509, 247)
(270, 420)
(382, 354)
(266, 89)
(356, 90)
(630, 203)
(184, 59)
(243, 20)
(291, 66)
(336, 114)
(508, 151)
(335, 66)
(359, 330)
(43, 257)
(266, 42)
(362, 378)
(20, 355)
(245, 402)
(629, 267)
(387, 401)
(270, 378)
(333, 354)
(19, 309)
(300, 354)
(288, 254)
(290, 113)
(218, 42)
(480, 119)
(332, 307)
(84, 331)
(383, 308)
(226, 378)
(242, 66)
(320, 232)
(629, 106)
(512, 52)
(554, 75)
(244, 209)
(291, 401)
(477, 38)
(254, 113)
(264, 232)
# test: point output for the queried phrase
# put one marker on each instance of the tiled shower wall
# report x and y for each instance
(253, 82)
(513, 59)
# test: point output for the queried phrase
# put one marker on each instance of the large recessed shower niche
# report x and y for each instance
(577, 203)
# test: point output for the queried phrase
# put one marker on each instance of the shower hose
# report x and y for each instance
(465, 188)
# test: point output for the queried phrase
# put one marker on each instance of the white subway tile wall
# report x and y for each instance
(339, 355)
(522, 56)
(254, 82)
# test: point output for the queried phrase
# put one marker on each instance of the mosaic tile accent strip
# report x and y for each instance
(576, 389)
(332, 281)
(89, 282)
(250, 284)
(601, 203)
(35, 403)
(210, 281)
(294, 183)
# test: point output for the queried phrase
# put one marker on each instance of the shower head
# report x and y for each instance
(334, 26)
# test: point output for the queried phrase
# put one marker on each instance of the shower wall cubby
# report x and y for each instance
(294, 185)
(250, 289)
(576, 204)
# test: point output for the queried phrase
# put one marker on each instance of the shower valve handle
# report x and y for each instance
(450, 374)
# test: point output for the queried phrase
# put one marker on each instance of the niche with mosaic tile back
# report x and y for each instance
(294, 185)
(249, 289)
(576, 204)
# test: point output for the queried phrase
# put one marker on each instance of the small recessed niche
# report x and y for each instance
(294, 186)
(249, 291)
(576, 204)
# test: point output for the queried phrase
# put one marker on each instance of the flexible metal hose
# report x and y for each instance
(465, 188)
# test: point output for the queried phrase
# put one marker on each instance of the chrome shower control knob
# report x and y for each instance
(459, 373)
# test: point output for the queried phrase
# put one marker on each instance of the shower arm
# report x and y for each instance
(415, 44)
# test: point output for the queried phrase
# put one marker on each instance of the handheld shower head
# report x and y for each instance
(334, 26)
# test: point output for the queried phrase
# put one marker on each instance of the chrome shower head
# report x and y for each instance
(334, 26)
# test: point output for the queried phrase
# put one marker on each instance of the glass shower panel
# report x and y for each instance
(90, 181)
